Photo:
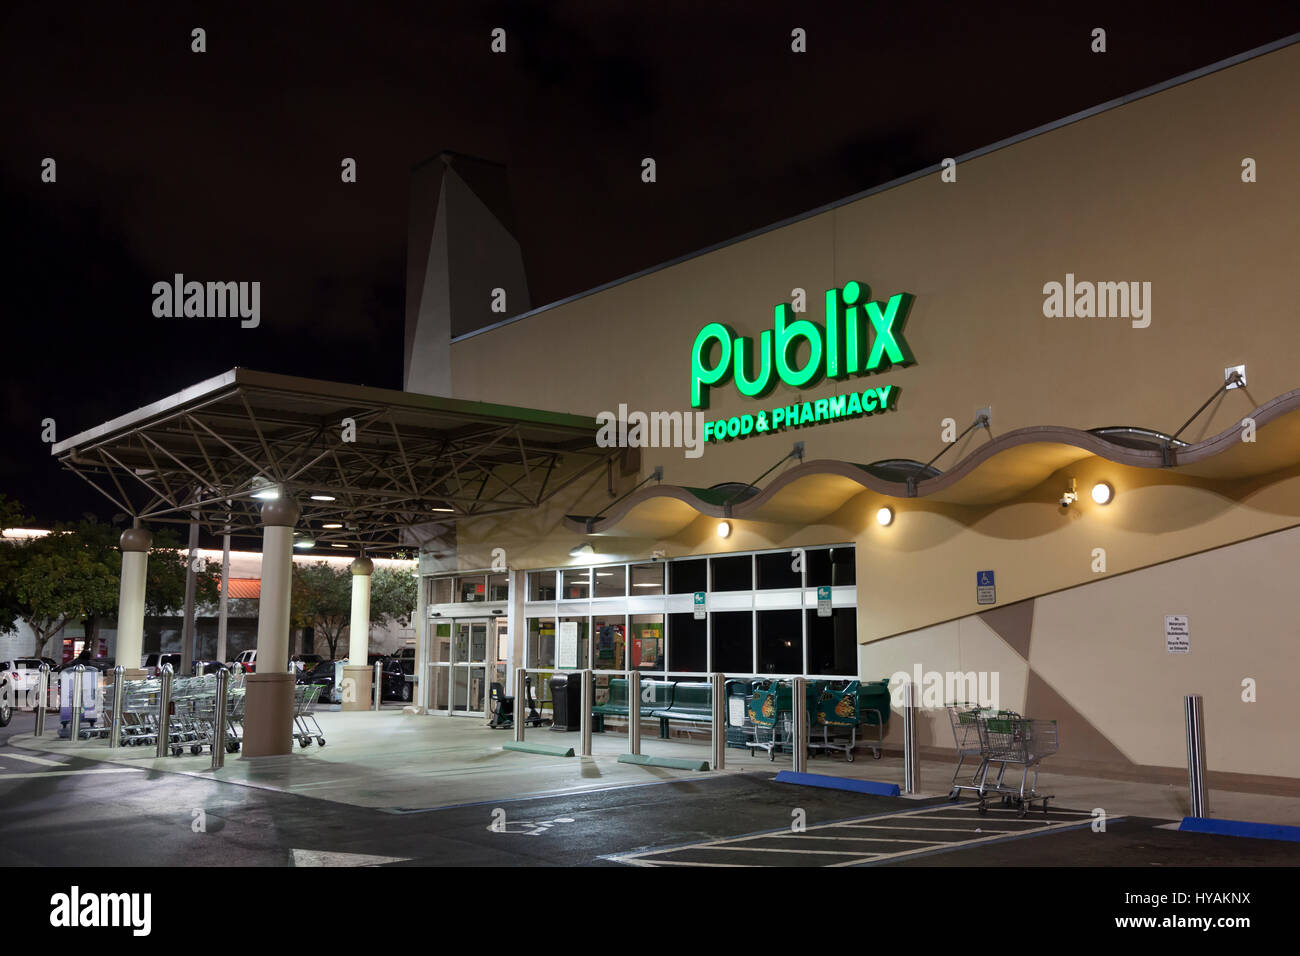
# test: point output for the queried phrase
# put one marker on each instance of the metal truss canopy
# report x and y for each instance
(391, 461)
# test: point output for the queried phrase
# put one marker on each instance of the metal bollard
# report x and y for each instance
(1194, 715)
(799, 736)
(521, 702)
(119, 694)
(74, 729)
(379, 683)
(911, 760)
(634, 712)
(719, 682)
(584, 723)
(42, 697)
(219, 720)
(164, 710)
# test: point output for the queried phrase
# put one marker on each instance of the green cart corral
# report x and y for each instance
(838, 713)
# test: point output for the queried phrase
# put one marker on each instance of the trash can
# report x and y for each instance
(566, 702)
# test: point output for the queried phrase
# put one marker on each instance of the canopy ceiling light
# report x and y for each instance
(580, 550)
(305, 543)
(1102, 493)
(724, 529)
(885, 516)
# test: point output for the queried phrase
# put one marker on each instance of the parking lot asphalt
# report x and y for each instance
(70, 811)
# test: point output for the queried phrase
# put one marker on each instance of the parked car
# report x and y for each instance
(7, 697)
(206, 667)
(247, 660)
(94, 663)
(395, 685)
(305, 662)
(23, 674)
(153, 663)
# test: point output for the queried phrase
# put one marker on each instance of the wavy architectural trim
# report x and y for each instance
(999, 470)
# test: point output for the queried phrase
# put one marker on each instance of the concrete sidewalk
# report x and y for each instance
(405, 762)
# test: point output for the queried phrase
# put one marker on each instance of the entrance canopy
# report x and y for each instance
(366, 465)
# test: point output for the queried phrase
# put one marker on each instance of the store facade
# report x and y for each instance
(1085, 288)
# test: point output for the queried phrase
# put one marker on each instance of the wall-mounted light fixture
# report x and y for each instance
(1102, 493)
(724, 529)
(885, 517)
(580, 550)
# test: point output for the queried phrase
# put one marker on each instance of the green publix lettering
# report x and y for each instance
(835, 349)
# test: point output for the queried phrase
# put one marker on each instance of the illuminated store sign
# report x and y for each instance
(845, 345)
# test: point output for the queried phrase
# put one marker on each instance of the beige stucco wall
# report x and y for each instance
(1148, 192)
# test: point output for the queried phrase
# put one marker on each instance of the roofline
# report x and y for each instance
(250, 378)
(1124, 100)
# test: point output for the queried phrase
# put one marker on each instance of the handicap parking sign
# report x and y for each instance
(985, 588)
(701, 607)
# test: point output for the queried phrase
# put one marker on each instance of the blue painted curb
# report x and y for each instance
(838, 783)
(1240, 828)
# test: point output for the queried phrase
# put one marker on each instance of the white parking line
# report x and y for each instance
(66, 773)
(977, 831)
(30, 759)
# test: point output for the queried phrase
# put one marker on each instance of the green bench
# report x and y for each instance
(690, 703)
(656, 695)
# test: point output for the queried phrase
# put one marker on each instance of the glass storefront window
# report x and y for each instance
(688, 643)
(647, 641)
(576, 584)
(777, 570)
(498, 587)
(611, 581)
(610, 648)
(833, 642)
(582, 625)
(541, 642)
(833, 566)
(780, 642)
(439, 591)
(647, 578)
(732, 573)
(471, 588)
(541, 585)
(733, 641)
(686, 577)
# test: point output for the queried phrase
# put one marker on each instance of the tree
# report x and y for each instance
(58, 578)
(393, 596)
(11, 516)
(321, 598)
(74, 574)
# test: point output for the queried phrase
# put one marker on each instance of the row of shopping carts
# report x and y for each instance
(1004, 738)
(833, 716)
(192, 724)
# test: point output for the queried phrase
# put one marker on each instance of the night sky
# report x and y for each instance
(225, 165)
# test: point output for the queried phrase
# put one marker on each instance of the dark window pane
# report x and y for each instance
(732, 574)
(833, 566)
(687, 643)
(833, 642)
(780, 642)
(687, 577)
(776, 570)
(733, 642)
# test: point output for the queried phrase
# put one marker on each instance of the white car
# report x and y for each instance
(22, 676)
(247, 660)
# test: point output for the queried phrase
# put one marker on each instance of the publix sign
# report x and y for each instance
(859, 337)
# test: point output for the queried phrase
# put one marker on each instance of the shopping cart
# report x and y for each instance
(1018, 741)
(139, 712)
(769, 718)
(966, 735)
(305, 726)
